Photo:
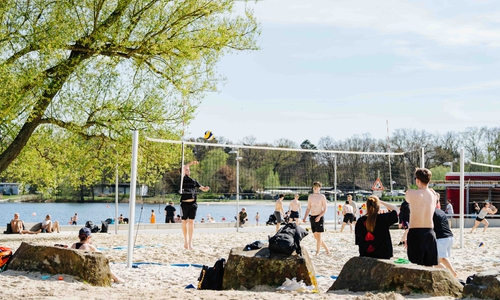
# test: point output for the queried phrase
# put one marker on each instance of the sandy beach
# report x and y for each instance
(167, 268)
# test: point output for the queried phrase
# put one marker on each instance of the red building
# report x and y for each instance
(479, 186)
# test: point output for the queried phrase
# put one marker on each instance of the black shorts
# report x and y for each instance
(349, 218)
(479, 219)
(294, 215)
(277, 215)
(188, 210)
(169, 219)
(317, 226)
(422, 247)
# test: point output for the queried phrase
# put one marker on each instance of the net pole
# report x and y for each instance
(462, 204)
(133, 185)
(182, 166)
(335, 188)
(422, 164)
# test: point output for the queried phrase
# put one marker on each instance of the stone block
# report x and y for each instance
(91, 267)
(361, 274)
(247, 269)
(484, 285)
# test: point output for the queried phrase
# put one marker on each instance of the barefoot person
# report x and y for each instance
(488, 208)
(19, 227)
(348, 213)
(421, 239)
(294, 210)
(86, 245)
(188, 204)
(444, 238)
(49, 226)
(316, 209)
(278, 211)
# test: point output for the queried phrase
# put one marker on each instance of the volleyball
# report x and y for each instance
(208, 135)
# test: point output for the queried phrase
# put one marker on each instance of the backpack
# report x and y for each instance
(5, 255)
(104, 226)
(211, 277)
(287, 239)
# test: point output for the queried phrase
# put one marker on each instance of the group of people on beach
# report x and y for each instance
(17, 226)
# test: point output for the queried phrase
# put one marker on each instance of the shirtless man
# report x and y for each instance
(316, 209)
(355, 210)
(348, 213)
(421, 240)
(278, 211)
(18, 226)
(294, 210)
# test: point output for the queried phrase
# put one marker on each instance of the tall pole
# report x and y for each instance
(422, 164)
(116, 200)
(237, 189)
(335, 187)
(133, 186)
(462, 189)
(389, 156)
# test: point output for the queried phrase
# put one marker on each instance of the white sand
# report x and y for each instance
(161, 280)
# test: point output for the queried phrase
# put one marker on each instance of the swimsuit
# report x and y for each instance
(422, 247)
(277, 214)
(294, 214)
(317, 226)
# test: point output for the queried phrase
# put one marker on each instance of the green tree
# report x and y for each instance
(96, 69)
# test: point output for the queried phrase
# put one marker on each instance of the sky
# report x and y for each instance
(344, 68)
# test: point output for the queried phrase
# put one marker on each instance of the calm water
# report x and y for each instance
(97, 212)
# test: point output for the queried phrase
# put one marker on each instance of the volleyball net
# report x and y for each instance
(261, 172)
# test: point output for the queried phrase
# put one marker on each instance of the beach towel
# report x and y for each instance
(5, 255)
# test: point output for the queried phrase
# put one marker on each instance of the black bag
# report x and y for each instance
(253, 246)
(104, 226)
(94, 229)
(211, 277)
(287, 239)
(89, 224)
(9, 229)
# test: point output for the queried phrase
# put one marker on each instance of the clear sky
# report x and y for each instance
(344, 68)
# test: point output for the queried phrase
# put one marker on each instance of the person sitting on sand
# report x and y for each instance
(48, 226)
(86, 245)
(19, 227)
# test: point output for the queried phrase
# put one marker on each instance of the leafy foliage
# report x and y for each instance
(77, 76)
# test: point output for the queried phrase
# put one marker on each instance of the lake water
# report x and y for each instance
(97, 212)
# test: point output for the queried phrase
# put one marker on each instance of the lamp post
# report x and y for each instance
(450, 164)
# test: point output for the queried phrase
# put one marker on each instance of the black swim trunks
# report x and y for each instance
(349, 218)
(189, 210)
(422, 247)
(294, 214)
(317, 226)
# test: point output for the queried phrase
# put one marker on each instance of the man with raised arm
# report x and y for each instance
(188, 204)
(421, 240)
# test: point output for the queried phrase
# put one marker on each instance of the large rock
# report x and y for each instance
(484, 285)
(370, 274)
(247, 269)
(92, 267)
